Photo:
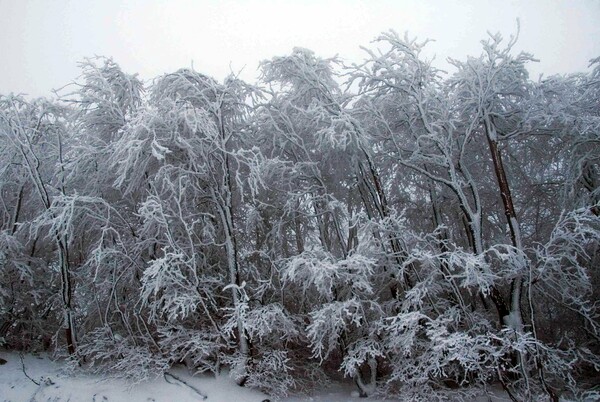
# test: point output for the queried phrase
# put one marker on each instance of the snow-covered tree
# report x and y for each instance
(422, 233)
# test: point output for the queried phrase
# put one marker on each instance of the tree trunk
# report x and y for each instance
(509, 210)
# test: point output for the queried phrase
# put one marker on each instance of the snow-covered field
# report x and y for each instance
(55, 386)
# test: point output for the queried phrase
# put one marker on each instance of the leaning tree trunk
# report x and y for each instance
(511, 217)
(516, 316)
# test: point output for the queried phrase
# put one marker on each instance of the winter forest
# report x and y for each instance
(419, 233)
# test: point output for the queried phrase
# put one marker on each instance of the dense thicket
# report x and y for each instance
(414, 230)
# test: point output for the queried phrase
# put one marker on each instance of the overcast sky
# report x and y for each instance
(42, 41)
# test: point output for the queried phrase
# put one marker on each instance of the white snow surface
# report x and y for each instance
(57, 386)
(16, 387)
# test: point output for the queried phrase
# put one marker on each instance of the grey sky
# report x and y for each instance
(42, 41)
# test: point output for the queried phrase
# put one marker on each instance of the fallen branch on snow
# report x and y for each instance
(25, 372)
(182, 382)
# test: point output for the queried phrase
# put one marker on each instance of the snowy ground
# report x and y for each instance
(16, 387)
(56, 387)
